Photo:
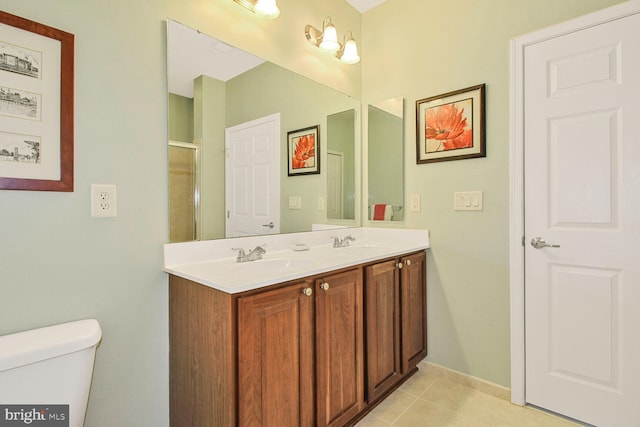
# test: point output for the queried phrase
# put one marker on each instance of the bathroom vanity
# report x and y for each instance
(299, 338)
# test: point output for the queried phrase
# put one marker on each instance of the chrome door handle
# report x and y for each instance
(539, 243)
(270, 225)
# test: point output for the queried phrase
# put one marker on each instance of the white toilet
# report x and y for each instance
(50, 366)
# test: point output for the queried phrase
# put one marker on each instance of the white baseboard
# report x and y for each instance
(479, 384)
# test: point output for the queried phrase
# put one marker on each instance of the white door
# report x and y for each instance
(335, 188)
(253, 177)
(582, 193)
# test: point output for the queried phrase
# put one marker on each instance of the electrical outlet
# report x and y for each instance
(103, 201)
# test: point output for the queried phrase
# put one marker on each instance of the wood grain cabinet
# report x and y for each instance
(293, 354)
(395, 301)
(289, 337)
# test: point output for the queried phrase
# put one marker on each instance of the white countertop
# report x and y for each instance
(213, 263)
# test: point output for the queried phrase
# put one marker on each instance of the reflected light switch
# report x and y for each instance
(295, 202)
(414, 203)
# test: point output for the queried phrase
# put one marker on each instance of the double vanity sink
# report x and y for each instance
(308, 335)
(213, 263)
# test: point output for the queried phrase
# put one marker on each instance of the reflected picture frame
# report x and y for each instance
(36, 106)
(451, 126)
(303, 151)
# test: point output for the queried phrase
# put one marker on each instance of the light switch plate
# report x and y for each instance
(467, 201)
(414, 203)
(295, 202)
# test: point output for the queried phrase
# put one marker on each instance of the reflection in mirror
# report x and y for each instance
(238, 89)
(183, 204)
(385, 148)
(341, 190)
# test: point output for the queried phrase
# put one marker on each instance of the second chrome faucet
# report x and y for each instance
(342, 243)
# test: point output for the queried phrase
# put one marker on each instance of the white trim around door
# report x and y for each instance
(516, 178)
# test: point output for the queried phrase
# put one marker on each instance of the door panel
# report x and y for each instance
(335, 188)
(413, 297)
(253, 177)
(340, 347)
(275, 358)
(582, 193)
(382, 295)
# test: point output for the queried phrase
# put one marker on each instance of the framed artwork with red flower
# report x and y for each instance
(451, 126)
(304, 151)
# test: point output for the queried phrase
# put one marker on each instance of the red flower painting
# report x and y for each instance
(303, 155)
(447, 127)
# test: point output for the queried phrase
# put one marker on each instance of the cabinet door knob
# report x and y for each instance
(400, 265)
(408, 262)
(307, 291)
(324, 286)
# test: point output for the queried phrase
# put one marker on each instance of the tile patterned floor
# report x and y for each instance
(427, 400)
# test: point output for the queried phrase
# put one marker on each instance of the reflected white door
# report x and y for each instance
(253, 177)
(335, 188)
(582, 192)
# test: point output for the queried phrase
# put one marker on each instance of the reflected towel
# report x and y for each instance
(382, 212)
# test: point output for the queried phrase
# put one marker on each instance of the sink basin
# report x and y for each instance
(362, 246)
(268, 265)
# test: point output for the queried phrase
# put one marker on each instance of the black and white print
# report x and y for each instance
(19, 103)
(19, 148)
(20, 60)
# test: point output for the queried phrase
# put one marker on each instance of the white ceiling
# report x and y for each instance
(185, 60)
(364, 5)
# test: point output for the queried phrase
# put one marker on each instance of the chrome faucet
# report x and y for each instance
(255, 254)
(342, 243)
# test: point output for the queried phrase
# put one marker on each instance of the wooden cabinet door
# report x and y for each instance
(413, 300)
(339, 340)
(382, 320)
(275, 358)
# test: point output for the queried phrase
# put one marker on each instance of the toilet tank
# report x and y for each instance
(49, 366)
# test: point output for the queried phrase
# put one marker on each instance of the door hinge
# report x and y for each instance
(522, 241)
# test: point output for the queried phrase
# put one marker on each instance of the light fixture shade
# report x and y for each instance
(330, 39)
(350, 53)
(267, 9)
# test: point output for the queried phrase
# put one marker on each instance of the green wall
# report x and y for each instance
(209, 101)
(181, 118)
(301, 102)
(340, 137)
(58, 264)
(418, 49)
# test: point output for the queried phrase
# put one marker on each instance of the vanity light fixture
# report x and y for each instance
(327, 40)
(267, 9)
(350, 51)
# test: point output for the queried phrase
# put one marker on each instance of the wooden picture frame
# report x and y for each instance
(36, 106)
(303, 149)
(451, 126)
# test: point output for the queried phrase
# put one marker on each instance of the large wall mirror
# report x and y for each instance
(385, 161)
(216, 90)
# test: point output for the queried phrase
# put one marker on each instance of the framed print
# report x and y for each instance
(304, 151)
(451, 126)
(36, 106)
